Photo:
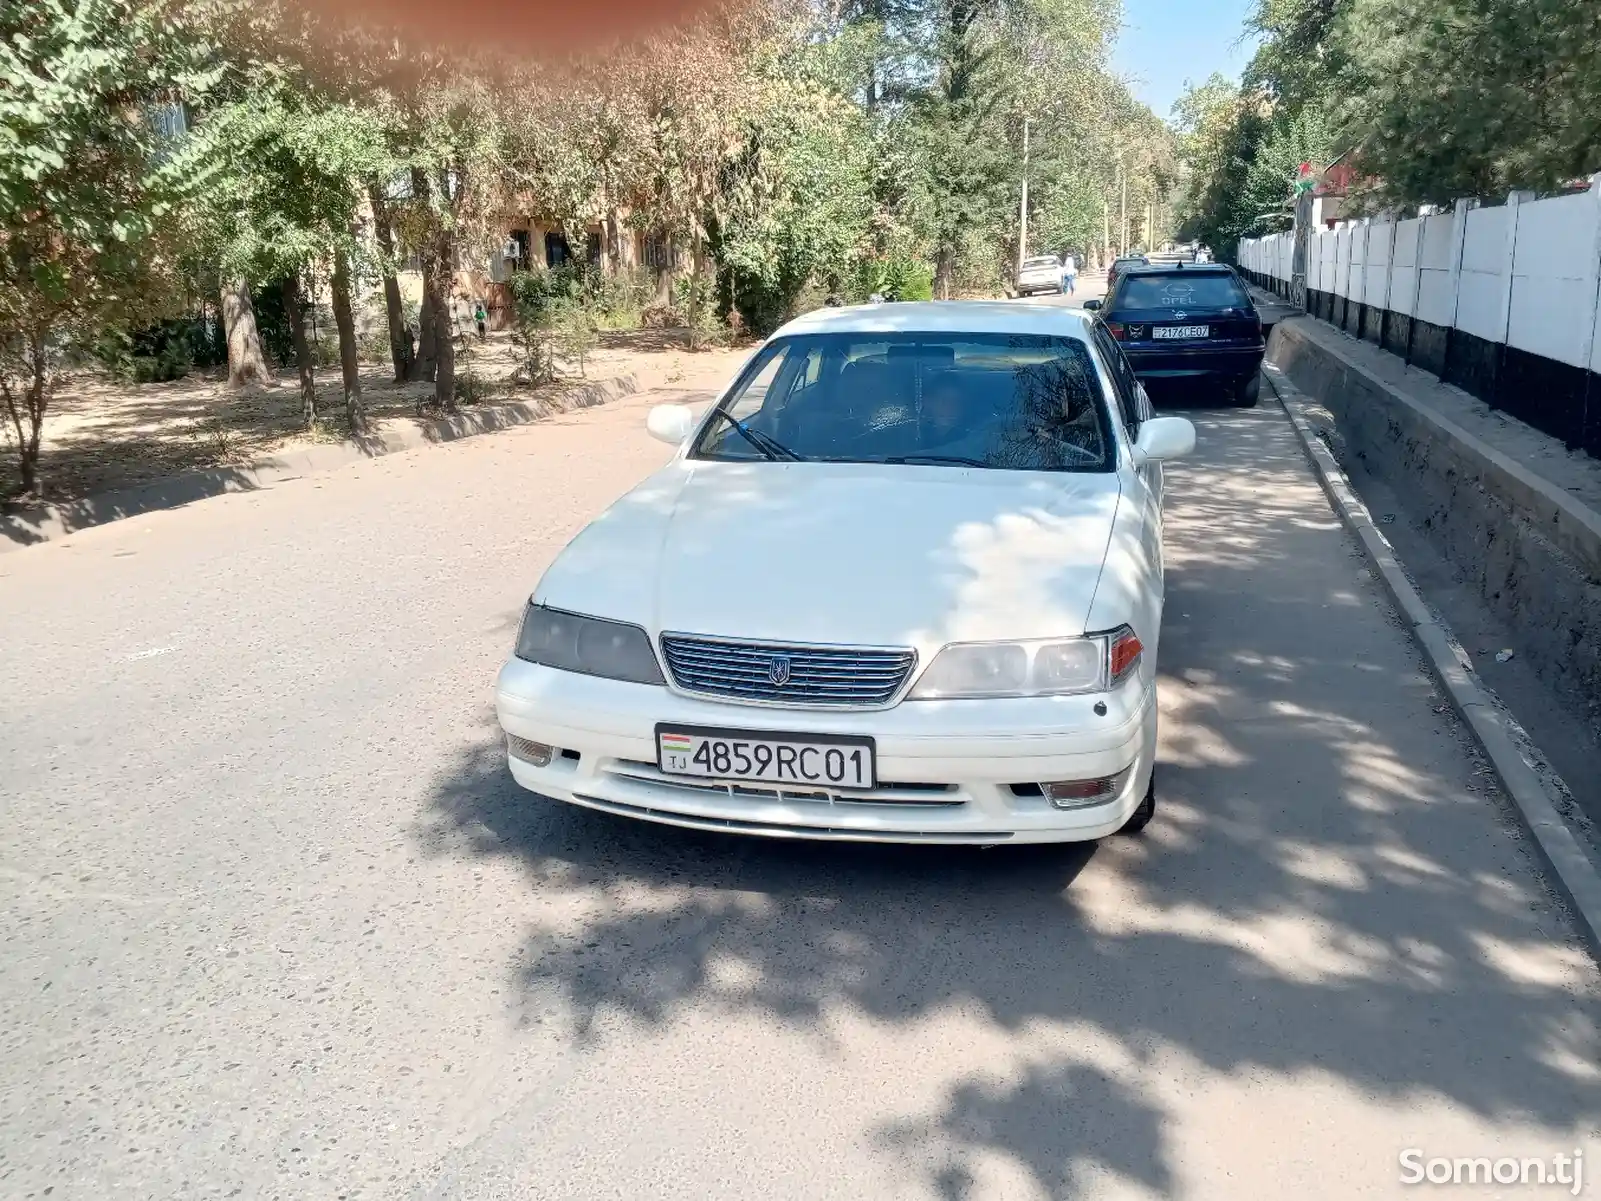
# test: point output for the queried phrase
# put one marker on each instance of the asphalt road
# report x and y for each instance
(278, 924)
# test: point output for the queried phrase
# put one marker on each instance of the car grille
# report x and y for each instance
(769, 673)
(885, 792)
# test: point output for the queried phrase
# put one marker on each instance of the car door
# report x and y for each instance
(1144, 483)
(1131, 394)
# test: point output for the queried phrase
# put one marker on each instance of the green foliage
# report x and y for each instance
(167, 350)
(1449, 98)
(898, 275)
(552, 320)
(796, 201)
(90, 96)
(1431, 99)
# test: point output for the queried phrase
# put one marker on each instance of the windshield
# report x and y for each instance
(1187, 290)
(1017, 402)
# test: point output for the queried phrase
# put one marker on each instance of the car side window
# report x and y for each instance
(1130, 404)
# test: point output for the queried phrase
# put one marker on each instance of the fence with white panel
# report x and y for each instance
(1502, 300)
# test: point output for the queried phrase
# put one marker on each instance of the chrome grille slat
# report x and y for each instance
(923, 796)
(818, 675)
(759, 667)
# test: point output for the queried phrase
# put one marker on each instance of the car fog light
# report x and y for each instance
(535, 753)
(1076, 794)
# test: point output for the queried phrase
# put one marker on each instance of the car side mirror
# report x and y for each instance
(1163, 438)
(1091, 305)
(670, 423)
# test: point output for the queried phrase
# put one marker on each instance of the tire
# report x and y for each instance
(1141, 817)
(1248, 391)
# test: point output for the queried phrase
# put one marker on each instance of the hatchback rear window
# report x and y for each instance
(1018, 402)
(1047, 261)
(1180, 290)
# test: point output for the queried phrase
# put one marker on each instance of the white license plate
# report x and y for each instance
(793, 760)
(1181, 331)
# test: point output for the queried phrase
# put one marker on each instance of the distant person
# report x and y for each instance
(1069, 274)
(482, 318)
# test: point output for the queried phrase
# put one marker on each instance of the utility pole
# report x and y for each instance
(1106, 231)
(1122, 219)
(1022, 208)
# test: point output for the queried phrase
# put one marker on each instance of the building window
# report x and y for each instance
(557, 252)
(517, 250)
(592, 248)
(659, 252)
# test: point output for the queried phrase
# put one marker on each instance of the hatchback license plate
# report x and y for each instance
(817, 760)
(1181, 331)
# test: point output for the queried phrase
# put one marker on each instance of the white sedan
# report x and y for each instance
(901, 583)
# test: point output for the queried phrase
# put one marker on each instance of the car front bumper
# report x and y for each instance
(944, 768)
(1152, 360)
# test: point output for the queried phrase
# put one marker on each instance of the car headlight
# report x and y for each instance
(1044, 667)
(591, 646)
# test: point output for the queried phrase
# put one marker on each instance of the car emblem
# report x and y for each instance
(1181, 316)
(778, 669)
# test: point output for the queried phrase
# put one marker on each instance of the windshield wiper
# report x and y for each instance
(915, 459)
(770, 449)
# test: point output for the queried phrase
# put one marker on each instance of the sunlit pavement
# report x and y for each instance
(279, 924)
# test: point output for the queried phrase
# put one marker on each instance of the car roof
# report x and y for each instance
(1183, 269)
(943, 317)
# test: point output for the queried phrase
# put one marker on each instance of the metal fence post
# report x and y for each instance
(1589, 331)
(1417, 284)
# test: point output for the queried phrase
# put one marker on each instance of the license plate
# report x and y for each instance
(1181, 331)
(814, 760)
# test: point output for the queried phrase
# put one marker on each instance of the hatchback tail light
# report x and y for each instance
(1116, 329)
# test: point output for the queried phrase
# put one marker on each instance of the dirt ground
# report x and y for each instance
(102, 435)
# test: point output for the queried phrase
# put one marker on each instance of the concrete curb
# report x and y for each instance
(1569, 866)
(23, 526)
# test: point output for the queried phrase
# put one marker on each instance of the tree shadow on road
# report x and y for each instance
(1332, 897)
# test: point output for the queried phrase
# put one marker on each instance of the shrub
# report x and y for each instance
(165, 351)
(551, 319)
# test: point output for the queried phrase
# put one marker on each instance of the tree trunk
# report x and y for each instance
(383, 230)
(303, 359)
(944, 268)
(443, 262)
(696, 270)
(424, 366)
(344, 319)
(26, 397)
(614, 242)
(246, 365)
(421, 367)
(444, 322)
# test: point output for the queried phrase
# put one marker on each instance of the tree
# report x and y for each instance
(796, 198)
(91, 99)
(1448, 98)
(286, 161)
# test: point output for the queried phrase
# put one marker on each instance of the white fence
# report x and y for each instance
(1457, 291)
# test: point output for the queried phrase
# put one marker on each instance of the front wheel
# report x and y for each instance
(1142, 816)
(1248, 391)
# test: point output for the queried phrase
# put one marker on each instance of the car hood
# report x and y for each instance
(844, 553)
